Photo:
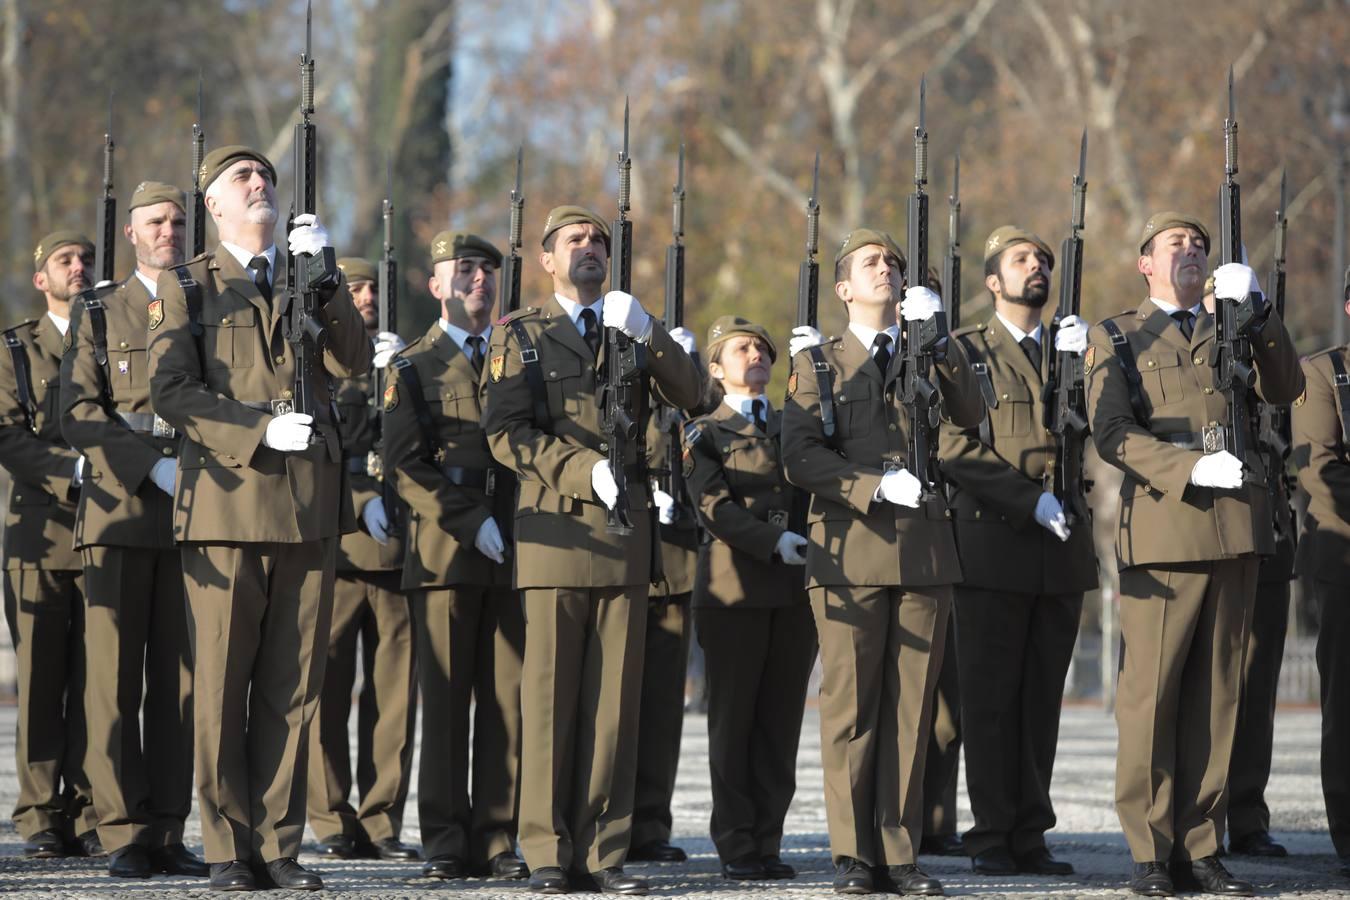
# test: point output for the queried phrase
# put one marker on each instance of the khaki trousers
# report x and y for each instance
(881, 651)
(580, 693)
(1333, 667)
(136, 634)
(661, 720)
(366, 605)
(260, 618)
(1185, 631)
(470, 642)
(1254, 740)
(942, 770)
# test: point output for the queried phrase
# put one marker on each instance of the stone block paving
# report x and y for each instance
(1088, 834)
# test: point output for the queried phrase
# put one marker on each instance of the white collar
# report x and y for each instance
(61, 324)
(461, 337)
(744, 403)
(1017, 333)
(245, 258)
(867, 335)
(1170, 308)
(573, 310)
(149, 285)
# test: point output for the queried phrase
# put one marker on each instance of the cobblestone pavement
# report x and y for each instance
(1088, 834)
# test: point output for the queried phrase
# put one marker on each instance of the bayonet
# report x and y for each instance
(196, 211)
(105, 248)
(510, 288)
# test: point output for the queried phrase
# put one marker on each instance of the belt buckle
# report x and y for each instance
(162, 429)
(980, 368)
(529, 356)
(282, 407)
(890, 465)
(490, 483)
(778, 517)
(1211, 438)
(374, 464)
(1342, 380)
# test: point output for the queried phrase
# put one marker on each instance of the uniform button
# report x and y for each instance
(201, 460)
(978, 513)
(224, 320)
(947, 513)
(1199, 360)
(1152, 363)
(1270, 344)
(1005, 396)
(122, 345)
(280, 360)
(604, 447)
(18, 499)
(892, 426)
(333, 321)
(168, 451)
(553, 373)
(43, 382)
(778, 489)
(843, 399)
(1209, 390)
(286, 394)
(658, 354)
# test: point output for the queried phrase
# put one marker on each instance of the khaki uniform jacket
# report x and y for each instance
(232, 488)
(40, 524)
(679, 540)
(1323, 462)
(444, 518)
(855, 540)
(736, 474)
(358, 424)
(1163, 518)
(119, 505)
(560, 524)
(994, 489)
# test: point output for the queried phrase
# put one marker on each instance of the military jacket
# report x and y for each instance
(560, 533)
(854, 539)
(40, 524)
(444, 516)
(220, 391)
(1323, 462)
(1163, 517)
(680, 539)
(994, 487)
(358, 426)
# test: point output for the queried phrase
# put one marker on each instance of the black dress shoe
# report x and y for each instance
(774, 867)
(1151, 879)
(657, 851)
(852, 877)
(1207, 874)
(337, 846)
(131, 861)
(393, 850)
(994, 861)
(288, 875)
(175, 859)
(508, 865)
(613, 880)
(549, 880)
(1042, 862)
(234, 875)
(445, 866)
(941, 845)
(89, 845)
(747, 868)
(910, 879)
(1258, 843)
(46, 844)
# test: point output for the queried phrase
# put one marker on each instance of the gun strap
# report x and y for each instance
(986, 383)
(1341, 382)
(825, 388)
(23, 379)
(534, 372)
(407, 373)
(192, 295)
(1134, 382)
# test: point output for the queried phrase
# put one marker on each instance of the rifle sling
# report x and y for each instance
(825, 388)
(407, 373)
(986, 383)
(534, 372)
(96, 312)
(1133, 380)
(23, 378)
(1342, 385)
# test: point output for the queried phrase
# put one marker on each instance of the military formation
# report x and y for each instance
(234, 485)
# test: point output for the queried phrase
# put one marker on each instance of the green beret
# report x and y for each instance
(1004, 237)
(559, 216)
(148, 193)
(221, 158)
(1164, 220)
(729, 326)
(357, 269)
(861, 237)
(54, 241)
(461, 245)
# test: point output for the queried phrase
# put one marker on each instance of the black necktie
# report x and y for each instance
(589, 332)
(757, 414)
(259, 266)
(1185, 320)
(1032, 348)
(881, 351)
(475, 341)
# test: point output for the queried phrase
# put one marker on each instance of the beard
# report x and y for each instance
(161, 258)
(261, 213)
(1034, 294)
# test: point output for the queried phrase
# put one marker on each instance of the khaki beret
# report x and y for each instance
(1002, 238)
(148, 193)
(357, 269)
(221, 158)
(56, 240)
(1162, 221)
(728, 326)
(559, 216)
(862, 237)
(461, 244)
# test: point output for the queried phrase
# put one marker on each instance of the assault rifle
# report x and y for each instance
(510, 299)
(671, 476)
(388, 321)
(196, 211)
(808, 299)
(1276, 436)
(951, 264)
(105, 248)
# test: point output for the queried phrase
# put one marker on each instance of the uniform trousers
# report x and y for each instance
(942, 770)
(661, 720)
(1333, 668)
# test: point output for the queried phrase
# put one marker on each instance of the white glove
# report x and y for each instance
(665, 506)
(489, 541)
(804, 337)
(1217, 470)
(919, 304)
(685, 338)
(376, 519)
(78, 478)
(1234, 281)
(1050, 516)
(1072, 336)
(900, 487)
(163, 473)
(602, 482)
(308, 236)
(289, 433)
(624, 312)
(791, 548)
(386, 345)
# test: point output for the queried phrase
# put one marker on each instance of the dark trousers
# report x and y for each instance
(1254, 740)
(1333, 667)
(942, 770)
(662, 717)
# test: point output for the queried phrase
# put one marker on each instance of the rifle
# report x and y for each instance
(951, 264)
(388, 321)
(1276, 438)
(808, 297)
(671, 477)
(510, 299)
(1064, 398)
(105, 250)
(196, 211)
(922, 337)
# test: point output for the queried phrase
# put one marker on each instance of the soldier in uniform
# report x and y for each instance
(1322, 455)
(44, 579)
(585, 588)
(136, 619)
(367, 604)
(1192, 524)
(754, 621)
(261, 499)
(880, 564)
(1026, 567)
(469, 624)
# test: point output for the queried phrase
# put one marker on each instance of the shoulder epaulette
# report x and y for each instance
(1124, 313)
(1325, 352)
(17, 325)
(693, 432)
(518, 314)
(970, 329)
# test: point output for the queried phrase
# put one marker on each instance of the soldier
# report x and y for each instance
(1026, 570)
(44, 580)
(880, 565)
(470, 630)
(754, 621)
(1321, 453)
(1191, 527)
(136, 621)
(585, 589)
(368, 604)
(260, 501)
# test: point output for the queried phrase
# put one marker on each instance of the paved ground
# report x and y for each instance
(1088, 834)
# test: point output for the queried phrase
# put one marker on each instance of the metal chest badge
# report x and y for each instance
(1089, 360)
(123, 367)
(391, 398)
(498, 367)
(156, 309)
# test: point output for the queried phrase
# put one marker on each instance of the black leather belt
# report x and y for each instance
(147, 423)
(463, 476)
(356, 465)
(275, 407)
